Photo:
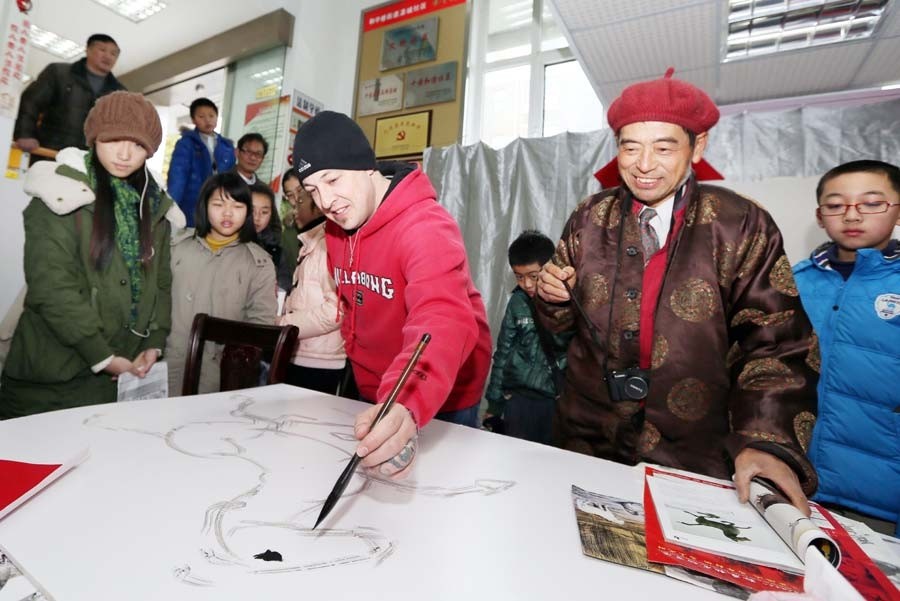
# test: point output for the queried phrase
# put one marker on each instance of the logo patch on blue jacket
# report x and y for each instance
(887, 306)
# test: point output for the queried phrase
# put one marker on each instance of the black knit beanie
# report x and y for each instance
(331, 140)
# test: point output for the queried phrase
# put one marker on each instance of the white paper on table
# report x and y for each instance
(16, 584)
(155, 385)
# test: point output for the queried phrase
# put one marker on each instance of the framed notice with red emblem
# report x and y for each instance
(402, 136)
(405, 39)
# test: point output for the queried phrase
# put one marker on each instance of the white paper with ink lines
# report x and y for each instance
(182, 494)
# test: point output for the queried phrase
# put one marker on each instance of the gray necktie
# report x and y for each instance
(648, 235)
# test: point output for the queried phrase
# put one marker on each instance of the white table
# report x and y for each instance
(179, 494)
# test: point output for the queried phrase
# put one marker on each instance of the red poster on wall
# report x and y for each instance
(404, 10)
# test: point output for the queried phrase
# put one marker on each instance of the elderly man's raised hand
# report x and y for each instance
(551, 287)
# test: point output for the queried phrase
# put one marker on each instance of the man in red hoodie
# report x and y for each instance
(401, 270)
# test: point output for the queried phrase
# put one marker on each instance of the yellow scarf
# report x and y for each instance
(216, 245)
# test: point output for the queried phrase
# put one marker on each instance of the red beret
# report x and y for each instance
(667, 100)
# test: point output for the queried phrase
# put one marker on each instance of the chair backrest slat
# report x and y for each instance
(279, 340)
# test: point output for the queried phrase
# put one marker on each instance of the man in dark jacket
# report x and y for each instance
(53, 108)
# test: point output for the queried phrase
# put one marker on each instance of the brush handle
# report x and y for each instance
(345, 476)
(395, 391)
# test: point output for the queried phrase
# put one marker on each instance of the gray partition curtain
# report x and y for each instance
(535, 183)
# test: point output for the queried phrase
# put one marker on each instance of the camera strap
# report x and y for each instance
(592, 327)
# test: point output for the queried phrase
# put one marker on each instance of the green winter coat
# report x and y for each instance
(74, 316)
(520, 363)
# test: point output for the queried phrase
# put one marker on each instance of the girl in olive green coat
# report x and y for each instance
(96, 265)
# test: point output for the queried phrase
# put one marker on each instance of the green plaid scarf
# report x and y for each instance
(126, 210)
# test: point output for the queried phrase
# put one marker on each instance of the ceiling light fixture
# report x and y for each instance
(267, 73)
(55, 44)
(757, 27)
(135, 10)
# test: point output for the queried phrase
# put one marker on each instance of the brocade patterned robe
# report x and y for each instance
(734, 360)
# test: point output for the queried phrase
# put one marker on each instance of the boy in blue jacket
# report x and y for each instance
(528, 361)
(850, 288)
(199, 153)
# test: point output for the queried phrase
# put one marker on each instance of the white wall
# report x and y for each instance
(792, 203)
(12, 234)
(322, 60)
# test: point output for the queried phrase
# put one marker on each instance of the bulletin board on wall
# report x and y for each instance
(410, 75)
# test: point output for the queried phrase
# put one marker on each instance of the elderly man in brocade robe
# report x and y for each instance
(687, 287)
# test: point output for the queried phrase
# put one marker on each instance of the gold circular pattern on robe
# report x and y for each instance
(767, 374)
(659, 353)
(694, 300)
(813, 357)
(704, 212)
(803, 428)
(606, 213)
(734, 355)
(648, 439)
(782, 277)
(596, 288)
(689, 399)
(761, 318)
(753, 254)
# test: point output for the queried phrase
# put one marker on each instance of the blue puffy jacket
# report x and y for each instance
(856, 441)
(191, 165)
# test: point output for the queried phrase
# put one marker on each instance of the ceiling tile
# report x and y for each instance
(881, 65)
(579, 15)
(824, 69)
(639, 49)
(890, 25)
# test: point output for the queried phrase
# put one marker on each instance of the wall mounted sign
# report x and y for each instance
(404, 10)
(409, 44)
(380, 95)
(431, 85)
(402, 135)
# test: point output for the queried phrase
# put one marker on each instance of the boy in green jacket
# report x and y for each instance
(529, 361)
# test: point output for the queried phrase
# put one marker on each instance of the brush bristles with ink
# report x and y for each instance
(345, 476)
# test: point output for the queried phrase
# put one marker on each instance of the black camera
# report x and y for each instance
(632, 384)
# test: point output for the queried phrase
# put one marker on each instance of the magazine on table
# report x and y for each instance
(853, 562)
(704, 513)
(612, 529)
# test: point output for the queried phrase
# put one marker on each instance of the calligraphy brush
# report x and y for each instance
(345, 476)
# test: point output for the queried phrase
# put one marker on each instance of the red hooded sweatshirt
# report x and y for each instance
(410, 276)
